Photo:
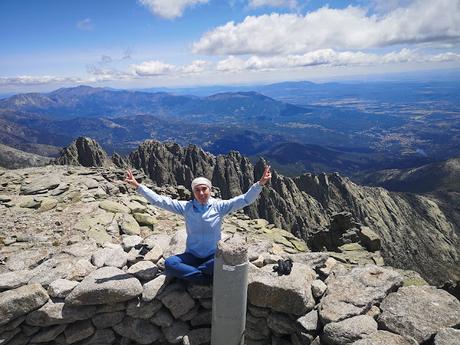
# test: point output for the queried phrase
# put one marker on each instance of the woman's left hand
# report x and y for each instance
(266, 176)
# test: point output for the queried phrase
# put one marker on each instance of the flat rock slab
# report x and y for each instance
(145, 219)
(12, 280)
(129, 241)
(115, 257)
(287, 294)
(142, 310)
(199, 291)
(178, 302)
(419, 312)
(60, 288)
(59, 313)
(129, 225)
(101, 336)
(447, 336)
(29, 202)
(308, 322)
(162, 319)
(80, 270)
(385, 338)
(144, 270)
(352, 293)
(114, 207)
(106, 320)
(349, 330)
(55, 268)
(27, 259)
(153, 288)
(141, 331)
(78, 331)
(47, 204)
(106, 285)
(20, 301)
(40, 185)
(48, 334)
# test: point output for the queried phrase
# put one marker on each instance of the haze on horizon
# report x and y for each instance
(178, 43)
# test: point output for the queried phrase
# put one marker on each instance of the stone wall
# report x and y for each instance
(132, 302)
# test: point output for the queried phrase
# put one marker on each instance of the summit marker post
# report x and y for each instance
(229, 298)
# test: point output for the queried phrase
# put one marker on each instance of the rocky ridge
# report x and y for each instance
(415, 231)
(11, 158)
(441, 176)
(72, 235)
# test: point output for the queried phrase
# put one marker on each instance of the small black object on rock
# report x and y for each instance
(143, 250)
(284, 267)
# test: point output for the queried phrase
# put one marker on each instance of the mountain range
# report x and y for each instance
(331, 127)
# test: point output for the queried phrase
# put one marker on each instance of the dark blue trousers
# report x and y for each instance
(189, 267)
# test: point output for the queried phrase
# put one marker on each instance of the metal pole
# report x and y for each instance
(229, 293)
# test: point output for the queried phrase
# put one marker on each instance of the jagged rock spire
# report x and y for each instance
(83, 151)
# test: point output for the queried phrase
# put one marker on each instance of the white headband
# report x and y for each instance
(201, 180)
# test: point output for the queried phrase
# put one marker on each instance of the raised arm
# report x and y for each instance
(155, 199)
(233, 204)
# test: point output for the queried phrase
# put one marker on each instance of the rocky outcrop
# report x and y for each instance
(70, 274)
(170, 163)
(406, 229)
(419, 312)
(289, 294)
(353, 293)
(83, 151)
(409, 228)
(119, 160)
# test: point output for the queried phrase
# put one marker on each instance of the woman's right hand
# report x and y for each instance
(130, 179)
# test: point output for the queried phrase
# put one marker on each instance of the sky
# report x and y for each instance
(48, 44)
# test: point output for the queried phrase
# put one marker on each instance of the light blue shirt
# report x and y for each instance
(202, 222)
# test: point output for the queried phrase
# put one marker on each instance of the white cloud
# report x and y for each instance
(272, 3)
(38, 80)
(445, 57)
(197, 66)
(153, 68)
(105, 73)
(85, 24)
(159, 68)
(239, 66)
(328, 57)
(169, 9)
(348, 28)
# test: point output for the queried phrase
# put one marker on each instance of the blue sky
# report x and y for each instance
(148, 43)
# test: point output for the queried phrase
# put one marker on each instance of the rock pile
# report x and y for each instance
(130, 301)
(82, 259)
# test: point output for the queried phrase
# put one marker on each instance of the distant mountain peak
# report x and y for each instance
(77, 90)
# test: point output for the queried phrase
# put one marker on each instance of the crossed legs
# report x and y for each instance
(189, 267)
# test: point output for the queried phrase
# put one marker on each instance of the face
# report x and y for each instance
(201, 193)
